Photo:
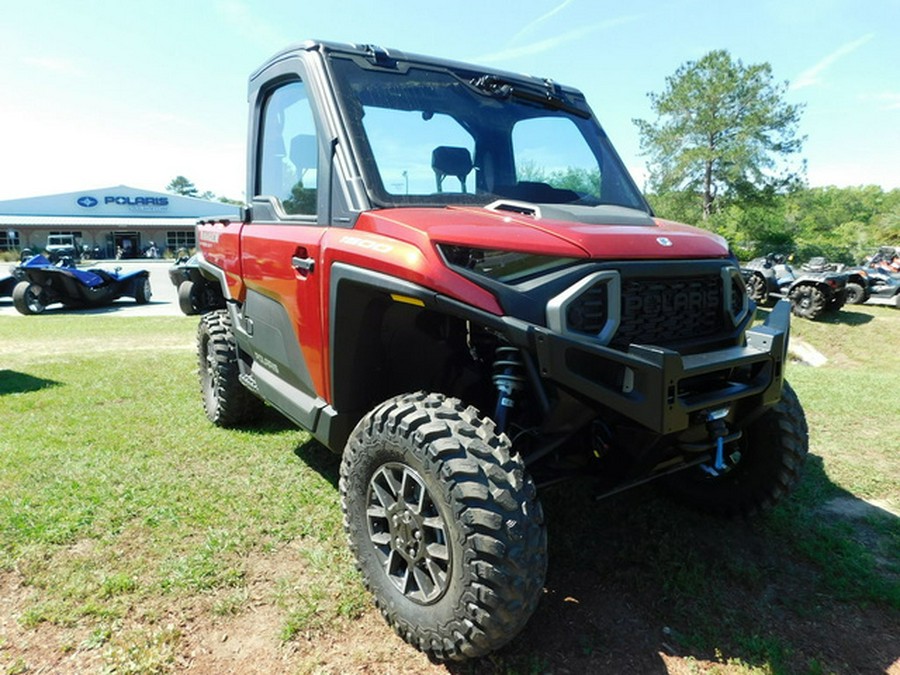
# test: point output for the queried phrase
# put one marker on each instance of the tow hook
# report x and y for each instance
(718, 431)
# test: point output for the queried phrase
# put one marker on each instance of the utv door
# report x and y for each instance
(280, 254)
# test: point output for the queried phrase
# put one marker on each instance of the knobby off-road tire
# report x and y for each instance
(758, 290)
(856, 294)
(28, 298)
(808, 302)
(773, 449)
(445, 525)
(226, 401)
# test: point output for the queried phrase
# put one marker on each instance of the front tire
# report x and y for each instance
(445, 525)
(772, 451)
(226, 401)
(28, 298)
(758, 290)
(808, 302)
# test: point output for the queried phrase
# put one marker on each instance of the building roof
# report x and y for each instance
(64, 222)
(120, 203)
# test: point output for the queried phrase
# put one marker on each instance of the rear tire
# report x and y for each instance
(773, 449)
(187, 300)
(856, 294)
(143, 293)
(445, 525)
(226, 401)
(28, 298)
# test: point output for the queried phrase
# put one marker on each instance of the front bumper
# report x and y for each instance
(662, 389)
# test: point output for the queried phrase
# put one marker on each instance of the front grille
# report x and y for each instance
(690, 308)
(588, 314)
(665, 311)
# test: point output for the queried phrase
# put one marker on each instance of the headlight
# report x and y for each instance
(508, 267)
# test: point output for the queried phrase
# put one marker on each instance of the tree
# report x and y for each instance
(182, 186)
(721, 128)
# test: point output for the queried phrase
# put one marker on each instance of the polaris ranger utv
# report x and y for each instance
(447, 276)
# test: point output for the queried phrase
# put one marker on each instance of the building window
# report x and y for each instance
(9, 240)
(179, 240)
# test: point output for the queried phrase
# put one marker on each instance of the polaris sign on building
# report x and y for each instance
(120, 221)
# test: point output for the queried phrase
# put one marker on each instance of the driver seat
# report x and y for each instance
(450, 161)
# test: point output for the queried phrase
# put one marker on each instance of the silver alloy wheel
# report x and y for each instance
(408, 533)
(34, 300)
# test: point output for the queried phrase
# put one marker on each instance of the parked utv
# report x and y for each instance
(886, 258)
(194, 295)
(62, 247)
(44, 283)
(447, 276)
(811, 294)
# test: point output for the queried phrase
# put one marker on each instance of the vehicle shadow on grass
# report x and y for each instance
(845, 316)
(637, 584)
(14, 382)
(321, 460)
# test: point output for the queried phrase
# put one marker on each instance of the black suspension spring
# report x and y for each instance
(509, 378)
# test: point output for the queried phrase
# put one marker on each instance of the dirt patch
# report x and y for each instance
(613, 612)
(855, 508)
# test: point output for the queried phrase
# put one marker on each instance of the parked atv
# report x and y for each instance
(871, 285)
(45, 283)
(811, 293)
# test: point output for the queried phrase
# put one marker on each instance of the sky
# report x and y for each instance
(97, 93)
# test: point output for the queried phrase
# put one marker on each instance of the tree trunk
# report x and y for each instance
(708, 194)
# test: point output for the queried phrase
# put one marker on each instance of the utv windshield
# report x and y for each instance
(431, 135)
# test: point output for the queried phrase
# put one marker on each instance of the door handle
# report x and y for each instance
(303, 264)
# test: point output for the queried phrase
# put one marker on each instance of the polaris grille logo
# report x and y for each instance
(86, 201)
(671, 301)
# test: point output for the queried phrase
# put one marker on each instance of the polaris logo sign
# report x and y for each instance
(137, 201)
(131, 203)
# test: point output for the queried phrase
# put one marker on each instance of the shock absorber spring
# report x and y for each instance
(508, 378)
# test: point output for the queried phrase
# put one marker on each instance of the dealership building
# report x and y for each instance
(109, 222)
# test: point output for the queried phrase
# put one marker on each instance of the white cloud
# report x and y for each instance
(813, 76)
(888, 100)
(552, 42)
(60, 66)
(537, 22)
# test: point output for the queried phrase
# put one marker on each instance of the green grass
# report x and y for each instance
(121, 507)
(116, 492)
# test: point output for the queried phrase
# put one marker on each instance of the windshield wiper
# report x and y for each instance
(549, 97)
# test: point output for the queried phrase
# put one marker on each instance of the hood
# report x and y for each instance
(597, 232)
